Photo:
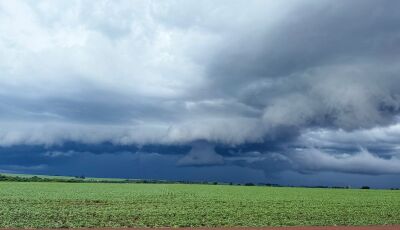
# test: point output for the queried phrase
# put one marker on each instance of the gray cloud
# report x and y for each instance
(319, 75)
(201, 154)
(362, 162)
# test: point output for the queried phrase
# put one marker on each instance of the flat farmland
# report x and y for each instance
(77, 205)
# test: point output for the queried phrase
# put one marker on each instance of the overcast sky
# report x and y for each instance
(299, 92)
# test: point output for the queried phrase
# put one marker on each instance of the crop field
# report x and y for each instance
(55, 205)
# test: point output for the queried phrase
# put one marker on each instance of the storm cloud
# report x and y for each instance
(298, 86)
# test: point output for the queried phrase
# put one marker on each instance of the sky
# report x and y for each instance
(293, 92)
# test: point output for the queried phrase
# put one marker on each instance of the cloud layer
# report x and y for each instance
(310, 85)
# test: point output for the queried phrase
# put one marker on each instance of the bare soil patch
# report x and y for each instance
(386, 227)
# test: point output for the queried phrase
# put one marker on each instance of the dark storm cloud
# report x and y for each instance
(300, 86)
(325, 64)
(312, 35)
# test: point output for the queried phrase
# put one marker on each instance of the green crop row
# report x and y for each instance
(56, 205)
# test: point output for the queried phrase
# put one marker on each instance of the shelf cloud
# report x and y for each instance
(300, 86)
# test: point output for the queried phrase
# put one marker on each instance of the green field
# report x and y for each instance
(42, 204)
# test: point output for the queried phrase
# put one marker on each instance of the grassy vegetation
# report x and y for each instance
(49, 204)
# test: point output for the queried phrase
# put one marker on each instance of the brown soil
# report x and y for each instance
(386, 227)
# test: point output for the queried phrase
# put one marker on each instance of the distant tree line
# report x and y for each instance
(83, 179)
(37, 179)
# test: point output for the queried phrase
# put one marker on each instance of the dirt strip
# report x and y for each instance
(386, 227)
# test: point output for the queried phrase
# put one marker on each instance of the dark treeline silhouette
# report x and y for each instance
(83, 179)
